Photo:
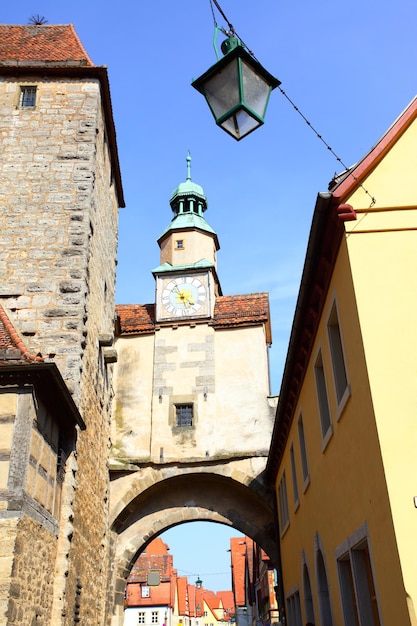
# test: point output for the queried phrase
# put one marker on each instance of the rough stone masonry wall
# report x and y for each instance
(32, 555)
(47, 181)
(58, 236)
(89, 555)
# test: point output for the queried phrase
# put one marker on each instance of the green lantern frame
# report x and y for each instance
(237, 89)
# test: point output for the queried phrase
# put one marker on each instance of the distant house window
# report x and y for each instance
(284, 518)
(303, 450)
(180, 244)
(184, 414)
(336, 350)
(27, 97)
(141, 617)
(154, 617)
(146, 592)
(324, 410)
(294, 476)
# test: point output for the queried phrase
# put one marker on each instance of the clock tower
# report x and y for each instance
(186, 280)
(192, 365)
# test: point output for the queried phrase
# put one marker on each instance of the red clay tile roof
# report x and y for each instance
(136, 319)
(229, 312)
(12, 349)
(241, 310)
(34, 45)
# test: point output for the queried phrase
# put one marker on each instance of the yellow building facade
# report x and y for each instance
(343, 455)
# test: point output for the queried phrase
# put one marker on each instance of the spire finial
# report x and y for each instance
(189, 165)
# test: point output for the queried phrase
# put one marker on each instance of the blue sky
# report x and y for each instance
(350, 67)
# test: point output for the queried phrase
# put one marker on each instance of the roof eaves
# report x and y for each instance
(354, 176)
(326, 227)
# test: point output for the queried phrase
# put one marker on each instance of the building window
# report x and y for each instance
(338, 359)
(323, 591)
(308, 596)
(27, 97)
(294, 477)
(184, 414)
(284, 518)
(357, 587)
(141, 617)
(294, 609)
(154, 617)
(180, 244)
(324, 410)
(303, 451)
(146, 592)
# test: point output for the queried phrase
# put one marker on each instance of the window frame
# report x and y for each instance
(27, 89)
(338, 358)
(322, 394)
(141, 617)
(184, 414)
(284, 515)
(303, 451)
(358, 591)
(295, 492)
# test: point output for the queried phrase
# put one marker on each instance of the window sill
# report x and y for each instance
(326, 438)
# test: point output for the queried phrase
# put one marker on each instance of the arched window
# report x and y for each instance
(323, 591)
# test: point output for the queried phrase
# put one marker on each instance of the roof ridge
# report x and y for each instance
(15, 338)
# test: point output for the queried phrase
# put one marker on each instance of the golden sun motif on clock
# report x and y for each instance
(184, 296)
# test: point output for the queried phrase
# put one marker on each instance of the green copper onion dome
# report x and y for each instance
(188, 204)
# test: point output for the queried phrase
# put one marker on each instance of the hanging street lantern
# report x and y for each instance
(237, 89)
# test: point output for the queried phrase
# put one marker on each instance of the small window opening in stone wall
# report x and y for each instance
(27, 97)
(184, 414)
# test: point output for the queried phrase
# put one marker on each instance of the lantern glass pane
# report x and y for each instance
(222, 91)
(256, 90)
(240, 124)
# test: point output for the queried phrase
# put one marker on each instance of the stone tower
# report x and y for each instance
(202, 365)
(60, 192)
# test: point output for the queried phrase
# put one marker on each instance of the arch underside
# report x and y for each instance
(174, 496)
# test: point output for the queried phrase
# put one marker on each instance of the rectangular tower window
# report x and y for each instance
(323, 399)
(180, 244)
(27, 97)
(184, 414)
(336, 350)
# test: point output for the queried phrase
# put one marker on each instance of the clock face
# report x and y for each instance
(184, 296)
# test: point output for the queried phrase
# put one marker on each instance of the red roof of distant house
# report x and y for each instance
(12, 348)
(182, 589)
(46, 43)
(238, 555)
(229, 312)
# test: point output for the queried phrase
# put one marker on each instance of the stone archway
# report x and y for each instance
(169, 497)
